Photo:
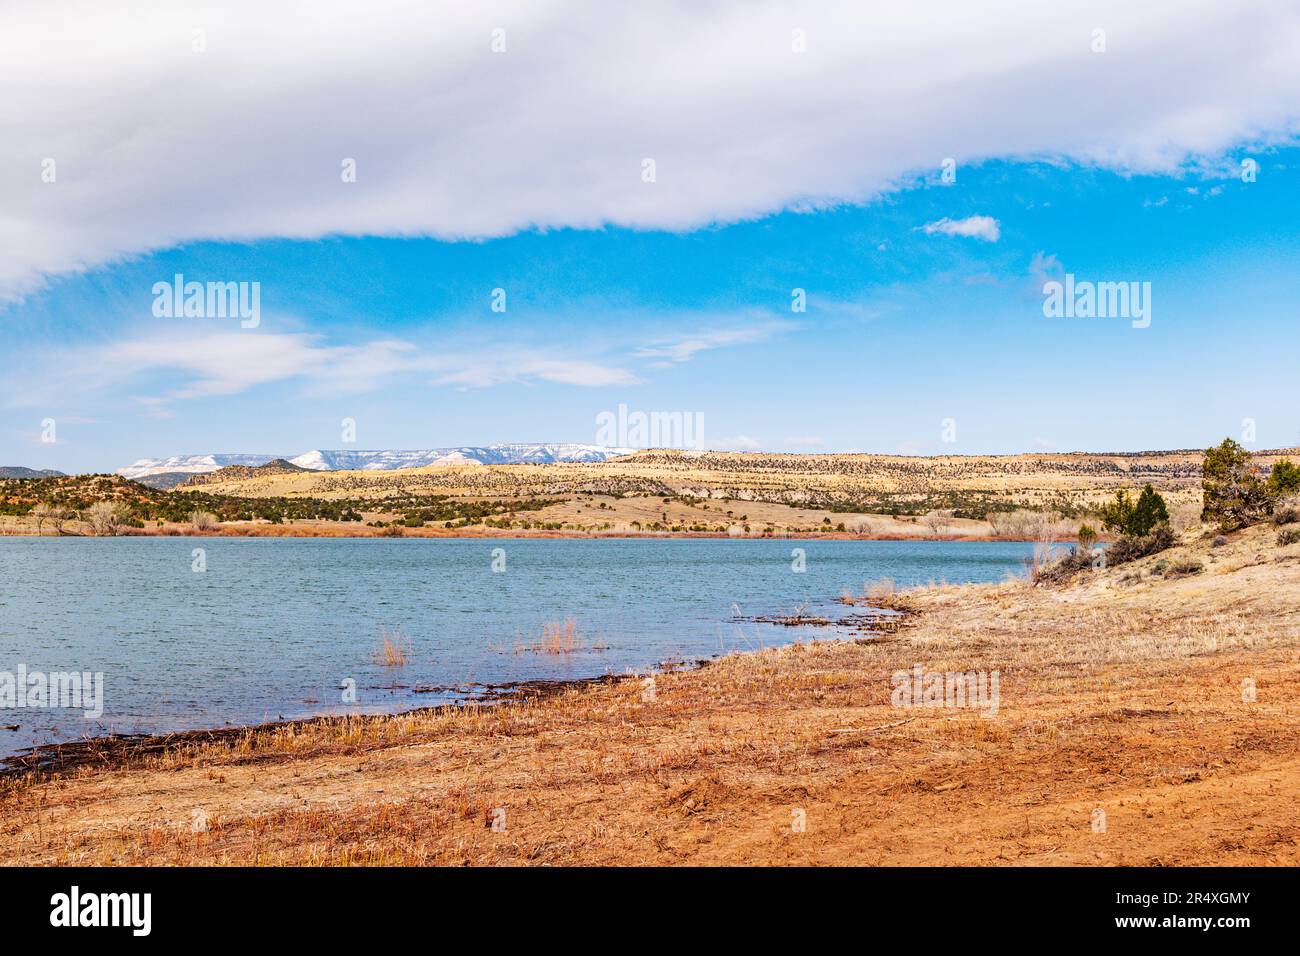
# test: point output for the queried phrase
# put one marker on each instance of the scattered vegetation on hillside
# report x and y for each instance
(1236, 494)
(110, 504)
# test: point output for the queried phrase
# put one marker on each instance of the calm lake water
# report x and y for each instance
(274, 626)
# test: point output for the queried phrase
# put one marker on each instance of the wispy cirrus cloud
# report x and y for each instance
(682, 349)
(483, 370)
(220, 364)
(157, 371)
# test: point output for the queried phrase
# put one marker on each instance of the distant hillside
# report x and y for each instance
(166, 480)
(511, 454)
(317, 460)
(653, 490)
(276, 466)
(17, 471)
(973, 484)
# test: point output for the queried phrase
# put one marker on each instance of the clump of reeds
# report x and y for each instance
(882, 590)
(557, 638)
(394, 649)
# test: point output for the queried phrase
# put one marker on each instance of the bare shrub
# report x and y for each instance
(59, 517)
(938, 520)
(1051, 561)
(107, 517)
(1048, 527)
(1045, 557)
(1182, 569)
(1018, 525)
(203, 520)
(1286, 511)
(1051, 565)
(42, 513)
(1129, 548)
(1185, 517)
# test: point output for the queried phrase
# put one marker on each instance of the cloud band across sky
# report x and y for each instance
(136, 126)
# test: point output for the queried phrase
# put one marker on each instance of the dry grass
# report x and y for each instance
(881, 593)
(558, 637)
(394, 649)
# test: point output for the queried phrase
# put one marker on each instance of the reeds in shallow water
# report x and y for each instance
(557, 638)
(394, 649)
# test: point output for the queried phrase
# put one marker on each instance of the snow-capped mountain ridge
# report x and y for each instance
(190, 464)
(382, 460)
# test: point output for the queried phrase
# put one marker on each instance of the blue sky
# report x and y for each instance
(902, 330)
(671, 301)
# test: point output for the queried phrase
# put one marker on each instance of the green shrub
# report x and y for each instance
(1233, 494)
(1117, 515)
(1135, 520)
(1150, 511)
(1284, 478)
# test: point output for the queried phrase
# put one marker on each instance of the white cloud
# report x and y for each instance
(217, 364)
(156, 144)
(228, 363)
(972, 227)
(481, 371)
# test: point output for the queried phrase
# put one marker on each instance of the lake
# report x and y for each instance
(277, 627)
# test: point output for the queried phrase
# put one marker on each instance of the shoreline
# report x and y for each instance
(119, 750)
(518, 534)
(1123, 699)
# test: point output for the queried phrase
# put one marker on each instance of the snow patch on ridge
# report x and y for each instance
(190, 464)
(321, 460)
